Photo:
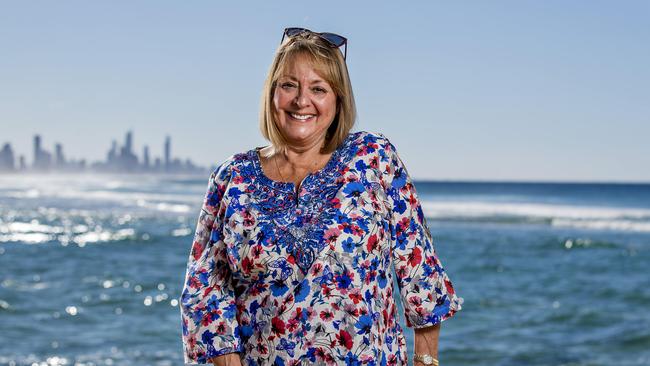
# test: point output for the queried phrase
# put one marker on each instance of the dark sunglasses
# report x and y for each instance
(334, 40)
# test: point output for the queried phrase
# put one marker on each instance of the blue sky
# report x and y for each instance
(502, 90)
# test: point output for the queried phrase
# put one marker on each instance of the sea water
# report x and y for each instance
(91, 268)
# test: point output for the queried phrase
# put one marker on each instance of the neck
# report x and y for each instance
(303, 157)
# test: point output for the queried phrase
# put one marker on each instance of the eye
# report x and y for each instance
(319, 90)
(287, 85)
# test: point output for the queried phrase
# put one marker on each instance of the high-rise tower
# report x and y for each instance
(168, 148)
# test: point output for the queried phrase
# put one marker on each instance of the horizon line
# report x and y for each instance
(416, 180)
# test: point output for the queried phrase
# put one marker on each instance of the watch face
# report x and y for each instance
(428, 360)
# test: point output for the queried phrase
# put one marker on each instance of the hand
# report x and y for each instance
(229, 359)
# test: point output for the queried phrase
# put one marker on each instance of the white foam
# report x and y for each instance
(35, 233)
(28, 227)
(104, 195)
(103, 236)
(182, 232)
(145, 192)
(621, 225)
(591, 217)
(541, 210)
(165, 206)
(27, 238)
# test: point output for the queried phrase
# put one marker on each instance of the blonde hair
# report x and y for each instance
(330, 65)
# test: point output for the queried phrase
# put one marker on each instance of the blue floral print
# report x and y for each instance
(288, 277)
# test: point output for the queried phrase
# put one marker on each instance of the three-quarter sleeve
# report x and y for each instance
(208, 303)
(426, 291)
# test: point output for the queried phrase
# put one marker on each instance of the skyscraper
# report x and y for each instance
(128, 161)
(145, 157)
(7, 158)
(42, 158)
(112, 154)
(168, 148)
(37, 149)
(59, 160)
(128, 144)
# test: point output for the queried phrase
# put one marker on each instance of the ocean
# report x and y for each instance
(91, 267)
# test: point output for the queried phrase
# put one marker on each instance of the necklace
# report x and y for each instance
(278, 169)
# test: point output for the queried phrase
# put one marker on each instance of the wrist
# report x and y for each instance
(425, 359)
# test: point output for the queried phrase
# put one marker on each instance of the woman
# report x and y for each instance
(293, 256)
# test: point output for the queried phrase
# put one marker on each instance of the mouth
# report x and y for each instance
(301, 117)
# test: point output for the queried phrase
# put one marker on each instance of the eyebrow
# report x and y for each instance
(312, 81)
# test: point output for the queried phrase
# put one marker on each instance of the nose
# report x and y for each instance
(302, 99)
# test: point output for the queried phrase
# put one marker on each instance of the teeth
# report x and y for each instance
(301, 117)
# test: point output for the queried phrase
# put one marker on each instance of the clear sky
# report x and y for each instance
(499, 90)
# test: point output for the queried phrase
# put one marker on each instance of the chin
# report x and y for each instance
(302, 136)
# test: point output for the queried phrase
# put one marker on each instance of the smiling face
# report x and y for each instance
(304, 104)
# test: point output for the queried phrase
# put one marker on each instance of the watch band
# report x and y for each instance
(426, 359)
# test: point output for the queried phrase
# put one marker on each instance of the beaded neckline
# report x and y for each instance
(327, 170)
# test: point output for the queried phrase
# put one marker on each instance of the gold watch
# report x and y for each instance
(426, 359)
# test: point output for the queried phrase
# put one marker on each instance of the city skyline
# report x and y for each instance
(119, 159)
(478, 91)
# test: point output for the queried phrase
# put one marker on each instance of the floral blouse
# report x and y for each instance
(290, 278)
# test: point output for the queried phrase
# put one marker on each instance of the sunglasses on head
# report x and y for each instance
(333, 40)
